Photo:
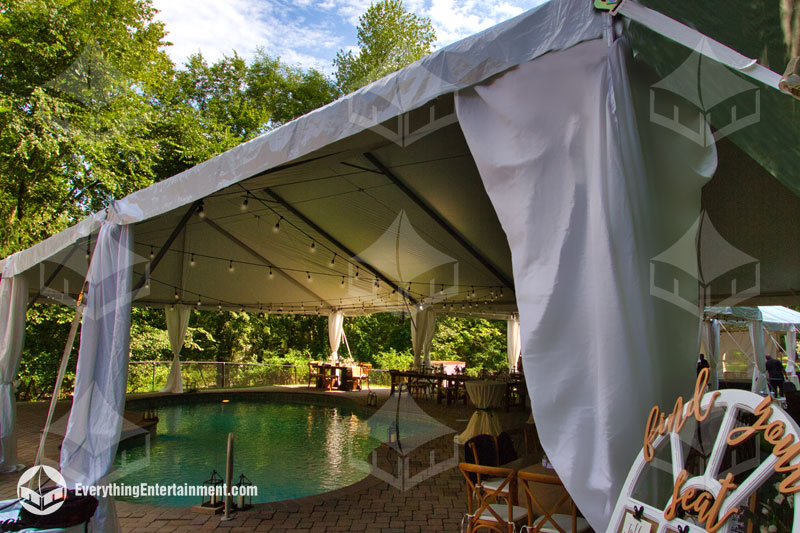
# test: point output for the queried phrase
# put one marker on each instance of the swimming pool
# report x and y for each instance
(287, 450)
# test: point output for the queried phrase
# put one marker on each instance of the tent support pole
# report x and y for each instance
(330, 238)
(444, 224)
(261, 258)
(174, 235)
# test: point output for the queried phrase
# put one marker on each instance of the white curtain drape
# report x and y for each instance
(514, 342)
(177, 324)
(335, 325)
(756, 328)
(423, 327)
(13, 301)
(95, 421)
(711, 333)
(589, 191)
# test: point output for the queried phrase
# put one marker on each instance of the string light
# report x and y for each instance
(342, 281)
(152, 253)
(313, 246)
(333, 260)
(201, 212)
(230, 266)
(270, 272)
(356, 272)
(191, 260)
(244, 203)
(219, 307)
(309, 276)
(198, 301)
(277, 227)
(171, 307)
(176, 295)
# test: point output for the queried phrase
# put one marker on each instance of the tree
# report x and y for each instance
(389, 38)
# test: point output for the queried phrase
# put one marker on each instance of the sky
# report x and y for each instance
(308, 33)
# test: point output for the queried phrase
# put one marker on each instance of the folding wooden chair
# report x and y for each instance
(549, 519)
(483, 509)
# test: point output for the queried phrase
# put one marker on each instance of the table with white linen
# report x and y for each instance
(486, 396)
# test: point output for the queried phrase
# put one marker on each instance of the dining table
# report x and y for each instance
(487, 396)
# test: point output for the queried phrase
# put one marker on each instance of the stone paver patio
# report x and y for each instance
(436, 504)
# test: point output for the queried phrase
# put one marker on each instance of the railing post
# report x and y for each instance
(294, 368)
(154, 376)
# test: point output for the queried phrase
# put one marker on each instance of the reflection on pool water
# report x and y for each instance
(287, 450)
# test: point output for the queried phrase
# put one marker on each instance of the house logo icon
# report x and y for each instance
(708, 86)
(37, 500)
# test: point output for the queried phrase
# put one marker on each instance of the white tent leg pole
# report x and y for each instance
(59, 380)
(349, 353)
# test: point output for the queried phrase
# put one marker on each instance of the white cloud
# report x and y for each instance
(308, 32)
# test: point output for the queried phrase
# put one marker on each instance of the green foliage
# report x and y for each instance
(480, 343)
(392, 359)
(389, 38)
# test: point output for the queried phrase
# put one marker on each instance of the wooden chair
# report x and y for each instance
(488, 450)
(314, 373)
(549, 519)
(365, 368)
(483, 509)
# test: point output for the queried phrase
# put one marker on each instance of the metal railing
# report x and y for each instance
(151, 376)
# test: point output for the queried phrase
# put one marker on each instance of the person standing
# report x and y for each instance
(775, 375)
(702, 363)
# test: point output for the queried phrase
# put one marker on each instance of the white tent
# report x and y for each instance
(518, 170)
(765, 324)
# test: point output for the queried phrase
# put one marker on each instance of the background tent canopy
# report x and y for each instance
(773, 317)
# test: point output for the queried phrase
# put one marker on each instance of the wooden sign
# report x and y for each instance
(712, 500)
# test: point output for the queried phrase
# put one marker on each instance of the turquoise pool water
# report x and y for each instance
(287, 450)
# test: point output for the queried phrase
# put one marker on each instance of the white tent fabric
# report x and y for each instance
(177, 324)
(13, 301)
(730, 341)
(711, 339)
(423, 327)
(581, 167)
(335, 325)
(756, 329)
(513, 341)
(95, 421)
(791, 351)
(551, 26)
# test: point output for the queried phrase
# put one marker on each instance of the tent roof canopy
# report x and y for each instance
(375, 196)
(774, 317)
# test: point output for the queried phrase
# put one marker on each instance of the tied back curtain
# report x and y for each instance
(177, 324)
(514, 342)
(13, 300)
(423, 327)
(756, 328)
(95, 421)
(335, 325)
(588, 191)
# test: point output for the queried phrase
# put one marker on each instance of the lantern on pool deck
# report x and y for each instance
(212, 491)
(244, 498)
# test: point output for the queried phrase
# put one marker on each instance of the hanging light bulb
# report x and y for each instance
(342, 281)
(171, 307)
(313, 246)
(219, 307)
(198, 301)
(191, 260)
(356, 272)
(244, 203)
(377, 284)
(501, 292)
(230, 266)
(277, 227)
(333, 260)
(201, 212)
(270, 272)
(152, 253)
(176, 295)
(309, 276)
